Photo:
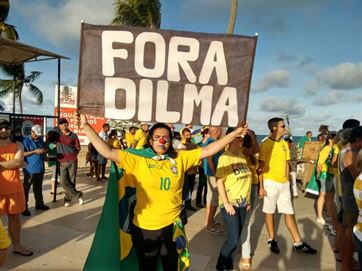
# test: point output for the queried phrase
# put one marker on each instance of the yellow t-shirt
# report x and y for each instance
(158, 186)
(4, 238)
(129, 139)
(275, 155)
(141, 137)
(323, 156)
(334, 169)
(233, 169)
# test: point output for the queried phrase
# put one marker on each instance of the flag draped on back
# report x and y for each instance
(112, 245)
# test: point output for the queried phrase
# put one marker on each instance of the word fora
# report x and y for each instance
(226, 99)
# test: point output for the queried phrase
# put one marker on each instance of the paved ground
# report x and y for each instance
(61, 237)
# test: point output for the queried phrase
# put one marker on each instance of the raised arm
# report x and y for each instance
(101, 146)
(18, 160)
(220, 144)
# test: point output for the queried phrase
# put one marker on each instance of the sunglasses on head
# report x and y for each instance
(4, 126)
(282, 126)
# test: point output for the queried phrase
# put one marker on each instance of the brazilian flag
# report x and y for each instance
(112, 244)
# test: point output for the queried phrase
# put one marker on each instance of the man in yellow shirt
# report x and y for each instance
(273, 174)
(129, 136)
(140, 137)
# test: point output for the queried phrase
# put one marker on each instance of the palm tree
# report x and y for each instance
(146, 13)
(20, 80)
(7, 31)
(232, 18)
(16, 72)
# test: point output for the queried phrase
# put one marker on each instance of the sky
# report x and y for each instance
(308, 62)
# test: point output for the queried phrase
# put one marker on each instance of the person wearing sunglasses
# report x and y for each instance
(12, 198)
(158, 179)
(274, 188)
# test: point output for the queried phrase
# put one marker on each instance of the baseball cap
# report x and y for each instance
(37, 129)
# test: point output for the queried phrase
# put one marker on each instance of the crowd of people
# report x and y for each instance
(233, 173)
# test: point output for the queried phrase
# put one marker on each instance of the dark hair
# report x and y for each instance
(4, 122)
(185, 130)
(331, 136)
(52, 136)
(350, 123)
(171, 152)
(247, 143)
(113, 132)
(204, 131)
(273, 123)
(105, 125)
(356, 134)
(308, 132)
(62, 120)
(131, 128)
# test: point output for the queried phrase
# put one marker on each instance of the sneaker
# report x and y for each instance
(273, 245)
(333, 232)
(304, 247)
(66, 204)
(42, 207)
(26, 213)
(320, 220)
(80, 199)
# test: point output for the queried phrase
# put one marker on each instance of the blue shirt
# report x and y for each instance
(35, 161)
(215, 159)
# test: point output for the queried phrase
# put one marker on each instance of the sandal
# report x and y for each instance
(215, 231)
(23, 252)
(244, 264)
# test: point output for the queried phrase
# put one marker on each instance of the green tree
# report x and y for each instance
(19, 81)
(15, 72)
(146, 13)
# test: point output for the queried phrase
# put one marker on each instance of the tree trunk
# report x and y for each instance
(20, 102)
(232, 18)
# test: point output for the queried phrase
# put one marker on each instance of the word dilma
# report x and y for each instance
(225, 103)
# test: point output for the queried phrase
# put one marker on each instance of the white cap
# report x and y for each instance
(145, 123)
(37, 129)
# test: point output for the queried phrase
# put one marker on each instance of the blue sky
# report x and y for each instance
(308, 61)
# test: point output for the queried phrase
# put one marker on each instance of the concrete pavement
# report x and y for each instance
(61, 237)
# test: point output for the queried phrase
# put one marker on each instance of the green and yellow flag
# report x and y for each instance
(112, 244)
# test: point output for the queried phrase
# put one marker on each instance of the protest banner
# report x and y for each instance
(152, 75)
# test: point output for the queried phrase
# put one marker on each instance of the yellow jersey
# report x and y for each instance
(129, 139)
(275, 155)
(357, 191)
(4, 238)
(158, 186)
(323, 156)
(234, 171)
(141, 137)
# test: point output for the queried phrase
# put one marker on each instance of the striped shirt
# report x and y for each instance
(357, 191)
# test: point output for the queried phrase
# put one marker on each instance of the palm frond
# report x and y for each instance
(14, 70)
(36, 92)
(8, 31)
(146, 13)
(32, 77)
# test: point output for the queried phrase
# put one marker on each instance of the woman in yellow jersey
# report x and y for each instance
(233, 181)
(158, 181)
(325, 180)
(113, 141)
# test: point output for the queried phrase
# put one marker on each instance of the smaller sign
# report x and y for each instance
(70, 113)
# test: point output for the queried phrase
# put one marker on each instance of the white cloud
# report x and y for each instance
(282, 106)
(342, 76)
(277, 78)
(60, 24)
(311, 88)
(331, 97)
